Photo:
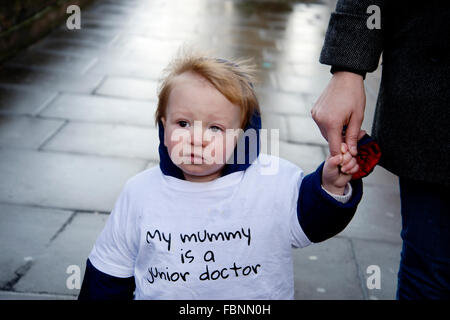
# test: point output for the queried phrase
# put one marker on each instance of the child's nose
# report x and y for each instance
(197, 140)
(197, 137)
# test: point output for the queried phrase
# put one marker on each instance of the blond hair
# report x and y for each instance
(234, 79)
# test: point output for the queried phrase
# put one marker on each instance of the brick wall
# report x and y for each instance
(22, 22)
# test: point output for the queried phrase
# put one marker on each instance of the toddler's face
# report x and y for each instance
(197, 117)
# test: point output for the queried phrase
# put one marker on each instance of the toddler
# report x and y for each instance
(217, 218)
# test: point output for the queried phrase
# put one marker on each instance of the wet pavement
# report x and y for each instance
(76, 121)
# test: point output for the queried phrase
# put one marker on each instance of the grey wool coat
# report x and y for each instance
(411, 122)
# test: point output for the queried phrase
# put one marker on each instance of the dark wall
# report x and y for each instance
(22, 22)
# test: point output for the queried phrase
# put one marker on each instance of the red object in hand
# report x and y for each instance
(368, 156)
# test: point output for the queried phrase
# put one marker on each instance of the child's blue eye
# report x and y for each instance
(183, 123)
(215, 129)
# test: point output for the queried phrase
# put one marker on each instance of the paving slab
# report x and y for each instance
(305, 156)
(306, 44)
(25, 232)
(302, 36)
(131, 43)
(73, 48)
(11, 295)
(51, 81)
(230, 51)
(59, 180)
(304, 130)
(90, 108)
(327, 271)
(23, 101)
(240, 33)
(155, 56)
(311, 100)
(255, 41)
(152, 164)
(254, 22)
(106, 140)
(305, 70)
(50, 273)
(308, 54)
(102, 26)
(105, 37)
(99, 14)
(52, 62)
(285, 103)
(272, 121)
(304, 85)
(271, 34)
(111, 8)
(26, 132)
(377, 217)
(266, 80)
(128, 88)
(143, 70)
(381, 177)
(383, 256)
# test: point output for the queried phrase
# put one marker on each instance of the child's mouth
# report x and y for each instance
(199, 158)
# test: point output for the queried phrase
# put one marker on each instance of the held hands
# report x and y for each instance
(341, 103)
(338, 169)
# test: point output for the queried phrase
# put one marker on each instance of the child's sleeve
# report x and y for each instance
(319, 214)
(115, 249)
(299, 239)
(101, 286)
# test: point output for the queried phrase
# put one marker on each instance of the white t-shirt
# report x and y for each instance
(230, 238)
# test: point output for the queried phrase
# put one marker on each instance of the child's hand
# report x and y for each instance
(338, 170)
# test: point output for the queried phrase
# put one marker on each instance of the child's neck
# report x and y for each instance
(206, 178)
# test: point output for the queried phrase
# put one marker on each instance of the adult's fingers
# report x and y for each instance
(351, 135)
(334, 140)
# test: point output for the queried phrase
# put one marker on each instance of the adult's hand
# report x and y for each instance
(342, 103)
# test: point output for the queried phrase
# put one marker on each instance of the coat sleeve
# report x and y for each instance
(319, 214)
(349, 43)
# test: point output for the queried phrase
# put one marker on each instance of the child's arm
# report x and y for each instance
(101, 286)
(320, 215)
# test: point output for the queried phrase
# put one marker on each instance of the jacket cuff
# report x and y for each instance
(336, 69)
(342, 198)
(349, 43)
